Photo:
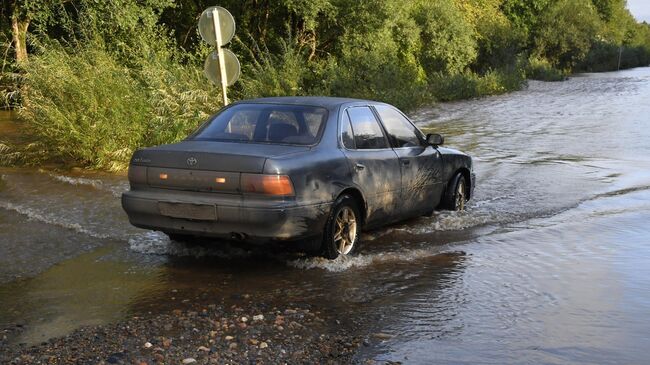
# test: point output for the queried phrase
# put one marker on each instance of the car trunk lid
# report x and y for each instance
(204, 165)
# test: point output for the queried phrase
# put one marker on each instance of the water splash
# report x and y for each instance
(115, 190)
(344, 263)
(455, 221)
(36, 215)
(156, 243)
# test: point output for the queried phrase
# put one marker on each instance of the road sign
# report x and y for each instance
(217, 27)
(207, 26)
(231, 63)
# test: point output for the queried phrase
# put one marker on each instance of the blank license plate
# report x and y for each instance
(188, 211)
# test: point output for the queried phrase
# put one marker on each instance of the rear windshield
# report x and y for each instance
(265, 123)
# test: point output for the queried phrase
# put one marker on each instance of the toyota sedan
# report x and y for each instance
(297, 169)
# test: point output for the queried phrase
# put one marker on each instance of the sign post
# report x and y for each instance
(222, 63)
(217, 28)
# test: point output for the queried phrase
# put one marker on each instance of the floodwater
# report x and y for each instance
(550, 264)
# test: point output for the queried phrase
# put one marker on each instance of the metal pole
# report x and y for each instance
(620, 54)
(222, 63)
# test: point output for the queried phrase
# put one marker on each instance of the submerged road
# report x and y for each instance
(550, 263)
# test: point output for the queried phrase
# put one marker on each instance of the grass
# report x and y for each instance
(542, 70)
(88, 109)
(471, 85)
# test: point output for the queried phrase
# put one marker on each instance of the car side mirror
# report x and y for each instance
(435, 139)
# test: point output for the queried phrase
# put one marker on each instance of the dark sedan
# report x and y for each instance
(296, 169)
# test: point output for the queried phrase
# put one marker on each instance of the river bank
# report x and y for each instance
(244, 332)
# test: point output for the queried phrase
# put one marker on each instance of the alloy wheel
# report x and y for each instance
(460, 196)
(345, 233)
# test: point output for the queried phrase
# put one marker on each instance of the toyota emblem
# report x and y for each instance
(192, 161)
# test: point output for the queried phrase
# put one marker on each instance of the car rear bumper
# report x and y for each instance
(233, 218)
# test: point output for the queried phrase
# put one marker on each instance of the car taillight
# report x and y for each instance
(279, 185)
(137, 175)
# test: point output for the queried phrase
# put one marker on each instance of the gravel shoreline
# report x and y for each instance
(241, 333)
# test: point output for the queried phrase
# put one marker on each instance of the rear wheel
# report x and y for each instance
(342, 228)
(455, 197)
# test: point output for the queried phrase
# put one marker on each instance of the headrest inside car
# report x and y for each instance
(280, 131)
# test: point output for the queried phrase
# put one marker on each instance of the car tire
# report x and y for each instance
(455, 196)
(341, 236)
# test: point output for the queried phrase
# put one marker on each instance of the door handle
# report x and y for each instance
(359, 166)
(406, 162)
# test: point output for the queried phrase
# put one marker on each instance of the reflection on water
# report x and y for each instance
(550, 264)
(83, 291)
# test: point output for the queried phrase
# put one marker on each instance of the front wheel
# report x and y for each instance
(455, 197)
(342, 228)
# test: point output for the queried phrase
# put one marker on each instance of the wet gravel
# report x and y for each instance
(244, 333)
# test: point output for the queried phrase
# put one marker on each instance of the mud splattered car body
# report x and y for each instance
(272, 168)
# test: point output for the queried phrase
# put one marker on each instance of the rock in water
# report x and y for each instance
(382, 336)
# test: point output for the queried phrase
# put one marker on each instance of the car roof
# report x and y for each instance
(322, 101)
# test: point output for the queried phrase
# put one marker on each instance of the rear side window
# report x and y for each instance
(401, 132)
(346, 132)
(365, 128)
(265, 123)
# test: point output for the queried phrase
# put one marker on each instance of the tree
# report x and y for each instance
(499, 41)
(566, 32)
(20, 17)
(525, 14)
(448, 42)
(607, 9)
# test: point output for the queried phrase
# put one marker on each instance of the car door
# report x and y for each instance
(420, 163)
(373, 163)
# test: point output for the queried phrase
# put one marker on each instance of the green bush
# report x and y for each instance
(566, 31)
(180, 97)
(471, 85)
(541, 69)
(375, 70)
(448, 41)
(605, 56)
(10, 79)
(273, 74)
(85, 106)
(602, 56)
(88, 108)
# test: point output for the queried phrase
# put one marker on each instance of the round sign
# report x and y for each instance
(211, 67)
(226, 24)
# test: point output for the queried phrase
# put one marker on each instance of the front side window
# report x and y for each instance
(401, 132)
(265, 123)
(366, 129)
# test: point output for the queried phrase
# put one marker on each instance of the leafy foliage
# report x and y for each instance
(566, 32)
(542, 69)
